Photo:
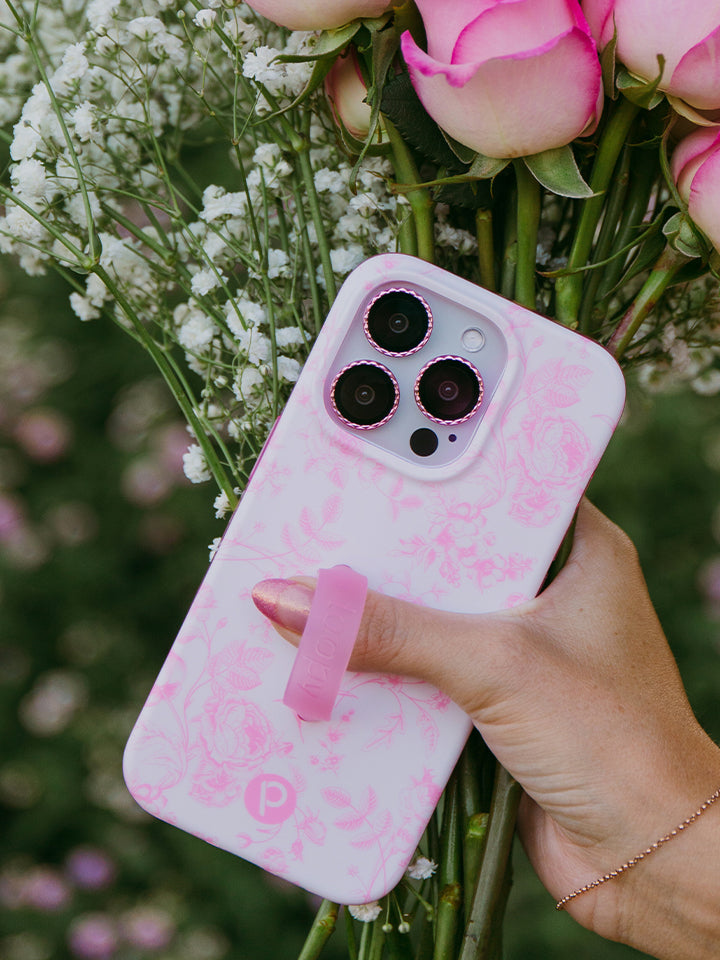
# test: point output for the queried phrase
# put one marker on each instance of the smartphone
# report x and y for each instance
(438, 441)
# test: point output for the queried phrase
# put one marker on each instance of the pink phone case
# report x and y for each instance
(338, 807)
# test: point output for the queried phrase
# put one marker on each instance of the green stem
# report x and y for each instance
(184, 399)
(470, 779)
(510, 253)
(320, 932)
(568, 289)
(473, 853)
(302, 149)
(613, 212)
(661, 276)
(419, 199)
(308, 257)
(486, 251)
(372, 940)
(450, 872)
(425, 943)
(483, 918)
(94, 246)
(80, 258)
(528, 222)
(350, 934)
(631, 224)
(399, 946)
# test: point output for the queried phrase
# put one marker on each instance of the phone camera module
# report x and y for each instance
(398, 322)
(449, 390)
(365, 395)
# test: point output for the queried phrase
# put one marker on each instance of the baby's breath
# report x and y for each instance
(139, 162)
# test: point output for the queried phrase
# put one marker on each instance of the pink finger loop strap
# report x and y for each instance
(326, 643)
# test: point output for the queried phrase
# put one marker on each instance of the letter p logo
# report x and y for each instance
(270, 798)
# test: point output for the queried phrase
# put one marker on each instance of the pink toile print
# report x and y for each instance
(339, 806)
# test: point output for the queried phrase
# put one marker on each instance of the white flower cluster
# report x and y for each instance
(138, 160)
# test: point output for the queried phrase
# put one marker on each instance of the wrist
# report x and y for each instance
(667, 903)
(672, 908)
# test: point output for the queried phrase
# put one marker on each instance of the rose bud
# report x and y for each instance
(346, 91)
(685, 34)
(695, 167)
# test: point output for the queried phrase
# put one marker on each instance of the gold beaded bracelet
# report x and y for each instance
(641, 856)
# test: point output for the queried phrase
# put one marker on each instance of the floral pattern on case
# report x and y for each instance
(338, 807)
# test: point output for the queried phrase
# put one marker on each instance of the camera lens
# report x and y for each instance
(449, 390)
(365, 395)
(398, 322)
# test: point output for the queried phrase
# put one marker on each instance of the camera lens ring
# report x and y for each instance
(374, 322)
(345, 395)
(471, 388)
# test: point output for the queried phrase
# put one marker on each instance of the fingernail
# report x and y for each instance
(285, 602)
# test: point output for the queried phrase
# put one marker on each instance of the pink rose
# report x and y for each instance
(686, 34)
(507, 79)
(695, 168)
(235, 731)
(552, 450)
(317, 14)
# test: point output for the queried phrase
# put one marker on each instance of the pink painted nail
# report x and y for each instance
(285, 602)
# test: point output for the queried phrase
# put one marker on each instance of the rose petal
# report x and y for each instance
(599, 15)
(517, 27)
(704, 202)
(697, 77)
(317, 14)
(512, 106)
(445, 21)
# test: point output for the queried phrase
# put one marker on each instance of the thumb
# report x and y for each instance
(450, 650)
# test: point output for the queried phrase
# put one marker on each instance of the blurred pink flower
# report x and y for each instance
(12, 519)
(170, 443)
(507, 79)
(90, 868)
(35, 887)
(148, 928)
(43, 434)
(318, 14)
(686, 34)
(93, 936)
(45, 889)
(695, 167)
(144, 482)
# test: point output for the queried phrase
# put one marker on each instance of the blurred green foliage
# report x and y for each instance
(102, 543)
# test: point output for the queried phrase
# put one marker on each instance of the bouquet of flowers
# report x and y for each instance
(206, 175)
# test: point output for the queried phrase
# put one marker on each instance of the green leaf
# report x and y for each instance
(558, 172)
(468, 196)
(644, 93)
(402, 106)
(714, 264)
(485, 168)
(407, 17)
(385, 43)
(684, 236)
(607, 62)
(328, 48)
(463, 153)
(329, 44)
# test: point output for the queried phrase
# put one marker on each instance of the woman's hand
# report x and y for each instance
(578, 695)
